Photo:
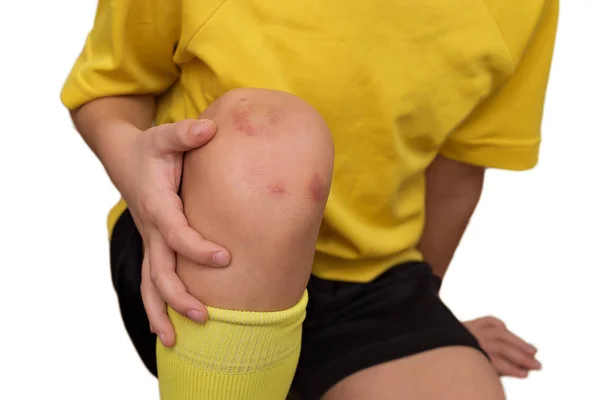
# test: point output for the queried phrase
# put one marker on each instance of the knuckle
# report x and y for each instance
(154, 277)
(174, 133)
(146, 207)
(491, 320)
(174, 298)
(172, 236)
(163, 289)
(155, 139)
(176, 304)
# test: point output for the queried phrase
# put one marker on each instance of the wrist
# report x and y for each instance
(115, 150)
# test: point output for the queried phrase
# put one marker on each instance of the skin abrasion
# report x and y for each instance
(256, 119)
(277, 189)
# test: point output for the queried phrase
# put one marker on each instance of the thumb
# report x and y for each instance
(183, 136)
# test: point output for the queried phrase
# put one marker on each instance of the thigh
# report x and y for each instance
(446, 373)
(126, 255)
(352, 327)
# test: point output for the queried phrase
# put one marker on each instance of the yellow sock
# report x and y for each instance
(234, 355)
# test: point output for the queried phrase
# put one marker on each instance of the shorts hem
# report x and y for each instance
(332, 373)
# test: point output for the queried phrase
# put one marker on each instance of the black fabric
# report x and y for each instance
(353, 326)
(348, 327)
(126, 255)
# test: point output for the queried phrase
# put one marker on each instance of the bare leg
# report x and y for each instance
(448, 373)
(259, 189)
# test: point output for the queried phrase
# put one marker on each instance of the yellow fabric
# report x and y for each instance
(235, 355)
(397, 81)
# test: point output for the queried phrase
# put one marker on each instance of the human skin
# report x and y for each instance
(259, 188)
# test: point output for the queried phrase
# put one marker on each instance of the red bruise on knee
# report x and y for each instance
(318, 189)
(259, 189)
(255, 119)
(277, 189)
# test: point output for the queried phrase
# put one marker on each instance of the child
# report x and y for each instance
(418, 97)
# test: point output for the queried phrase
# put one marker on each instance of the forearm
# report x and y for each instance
(453, 190)
(108, 126)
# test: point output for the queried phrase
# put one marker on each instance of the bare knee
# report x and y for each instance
(258, 188)
(271, 160)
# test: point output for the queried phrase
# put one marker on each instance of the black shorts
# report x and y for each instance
(348, 326)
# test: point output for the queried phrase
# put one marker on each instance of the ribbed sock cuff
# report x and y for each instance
(234, 355)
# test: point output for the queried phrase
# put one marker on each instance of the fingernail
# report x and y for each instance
(161, 336)
(199, 127)
(196, 316)
(220, 259)
(532, 348)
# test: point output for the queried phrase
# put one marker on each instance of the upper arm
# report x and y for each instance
(128, 51)
(504, 131)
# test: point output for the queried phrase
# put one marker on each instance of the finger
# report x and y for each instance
(509, 337)
(506, 368)
(156, 309)
(490, 322)
(514, 355)
(168, 284)
(182, 136)
(184, 240)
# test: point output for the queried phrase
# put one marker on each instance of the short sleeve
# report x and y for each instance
(504, 132)
(128, 51)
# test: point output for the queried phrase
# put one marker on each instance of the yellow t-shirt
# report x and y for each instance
(397, 81)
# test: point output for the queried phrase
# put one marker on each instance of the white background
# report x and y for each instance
(530, 255)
